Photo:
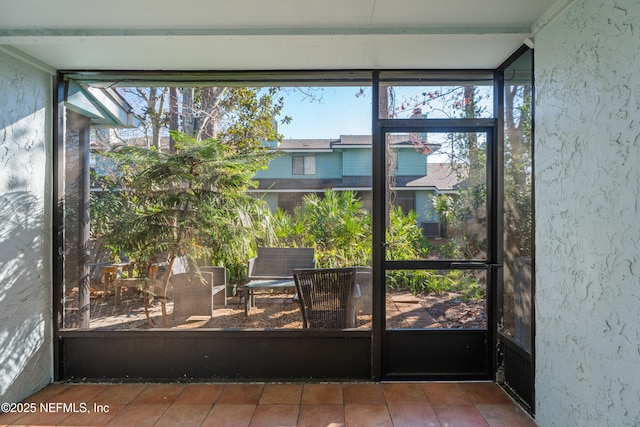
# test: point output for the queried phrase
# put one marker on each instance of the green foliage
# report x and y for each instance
(336, 225)
(443, 204)
(338, 228)
(404, 238)
(289, 231)
(248, 118)
(415, 281)
(447, 249)
(182, 204)
(421, 282)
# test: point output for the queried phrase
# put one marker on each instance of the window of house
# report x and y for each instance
(406, 200)
(303, 165)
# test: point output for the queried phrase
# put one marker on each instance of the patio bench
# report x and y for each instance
(272, 269)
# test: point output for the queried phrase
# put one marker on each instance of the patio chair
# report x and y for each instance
(194, 294)
(326, 297)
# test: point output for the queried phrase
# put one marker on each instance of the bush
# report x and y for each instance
(420, 282)
(336, 225)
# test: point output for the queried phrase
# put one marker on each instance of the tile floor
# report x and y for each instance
(408, 404)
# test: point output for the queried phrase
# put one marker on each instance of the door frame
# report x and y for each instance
(479, 360)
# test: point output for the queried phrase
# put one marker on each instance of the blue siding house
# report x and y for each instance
(313, 165)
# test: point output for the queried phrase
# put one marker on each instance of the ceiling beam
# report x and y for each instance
(9, 36)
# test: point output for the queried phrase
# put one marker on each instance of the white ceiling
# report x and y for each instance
(267, 34)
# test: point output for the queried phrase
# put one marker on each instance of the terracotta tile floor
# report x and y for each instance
(408, 404)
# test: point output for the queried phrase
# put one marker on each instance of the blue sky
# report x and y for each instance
(326, 112)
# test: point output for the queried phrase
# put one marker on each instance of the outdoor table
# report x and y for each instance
(128, 266)
(112, 273)
(248, 295)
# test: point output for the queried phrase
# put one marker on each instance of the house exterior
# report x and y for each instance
(307, 166)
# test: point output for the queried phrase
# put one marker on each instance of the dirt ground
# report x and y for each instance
(277, 311)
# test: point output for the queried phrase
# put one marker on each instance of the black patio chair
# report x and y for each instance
(326, 297)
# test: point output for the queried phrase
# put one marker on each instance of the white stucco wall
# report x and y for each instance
(587, 175)
(26, 351)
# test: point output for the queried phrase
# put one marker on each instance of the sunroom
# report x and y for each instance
(544, 277)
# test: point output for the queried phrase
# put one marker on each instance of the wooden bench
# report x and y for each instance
(272, 269)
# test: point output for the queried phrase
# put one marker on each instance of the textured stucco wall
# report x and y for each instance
(588, 216)
(26, 352)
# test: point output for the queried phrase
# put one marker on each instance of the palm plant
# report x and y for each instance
(404, 239)
(336, 225)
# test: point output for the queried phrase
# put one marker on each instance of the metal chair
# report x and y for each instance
(326, 297)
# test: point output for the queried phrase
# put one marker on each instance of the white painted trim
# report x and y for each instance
(38, 35)
(27, 59)
(363, 146)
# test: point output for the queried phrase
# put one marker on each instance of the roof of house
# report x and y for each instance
(442, 176)
(305, 144)
(105, 107)
(396, 139)
(354, 140)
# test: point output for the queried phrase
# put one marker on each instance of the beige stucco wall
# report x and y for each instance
(587, 174)
(26, 351)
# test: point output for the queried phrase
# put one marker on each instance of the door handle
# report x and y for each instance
(469, 265)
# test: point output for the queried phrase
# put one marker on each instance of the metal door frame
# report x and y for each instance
(449, 344)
